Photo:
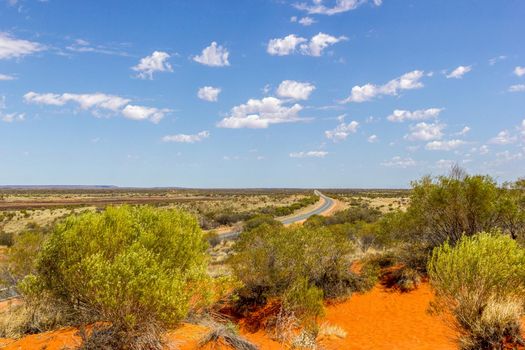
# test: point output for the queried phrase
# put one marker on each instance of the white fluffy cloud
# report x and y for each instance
(85, 101)
(295, 90)
(425, 132)
(291, 44)
(260, 114)
(309, 154)
(459, 72)
(156, 62)
(399, 162)
(372, 138)
(184, 138)
(209, 93)
(284, 46)
(317, 7)
(5, 77)
(11, 47)
(503, 138)
(152, 114)
(400, 115)
(342, 131)
(519, 71)
(97, 103)
(367, 92)
(447, 145)
(214, 56)
(517, 88)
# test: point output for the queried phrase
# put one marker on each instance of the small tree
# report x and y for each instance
(481, 281)
(137, 268)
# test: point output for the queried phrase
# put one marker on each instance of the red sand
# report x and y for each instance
(378, 320)
(384, 319)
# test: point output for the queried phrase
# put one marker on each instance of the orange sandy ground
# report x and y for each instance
(380, 319)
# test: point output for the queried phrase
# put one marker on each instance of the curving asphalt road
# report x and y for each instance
(328, 203)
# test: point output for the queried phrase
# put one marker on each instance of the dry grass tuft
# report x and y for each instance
(329, 330)
(225, 334)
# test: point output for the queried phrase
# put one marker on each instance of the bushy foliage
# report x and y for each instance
(6, 238)
(448, 207)
(259, 220)
(477, 279)
(22, 256)
(356, 223)
(298, 264)
(129, 266)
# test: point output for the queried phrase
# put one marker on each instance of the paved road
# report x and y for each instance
(327, 204)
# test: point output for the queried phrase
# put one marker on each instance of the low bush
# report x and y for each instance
(6, 238)
(259, 220)
(138, 269)
(478, 280)
(297, 264)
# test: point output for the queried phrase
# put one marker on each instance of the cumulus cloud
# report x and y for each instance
(425, 132)
(294, 44)
(152, 114)
(209, 93)
(156, 62)
(342, 131)
(5, 77)
(459, 72)
(85, 101)
(260, 114)
(214, 56)
(96, 103)
(318, 43)
(400, 115)
(447, 145)
(372, 138)
(309, 154)
(284, 46)
(517, 88)
(184, 138)
(295, 90)
(399, 162)
(11, 47)
(317, 7)
(367, 92)
(519, 71)
(503, 138)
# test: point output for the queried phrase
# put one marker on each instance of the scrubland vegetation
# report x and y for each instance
(127, 274)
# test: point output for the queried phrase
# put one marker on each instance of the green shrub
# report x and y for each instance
(474, 279)
(259, 220)
(22, 256)
(133, 267)
(271, 261)
(6, 238)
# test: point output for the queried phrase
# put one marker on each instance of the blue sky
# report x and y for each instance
(260, 93)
